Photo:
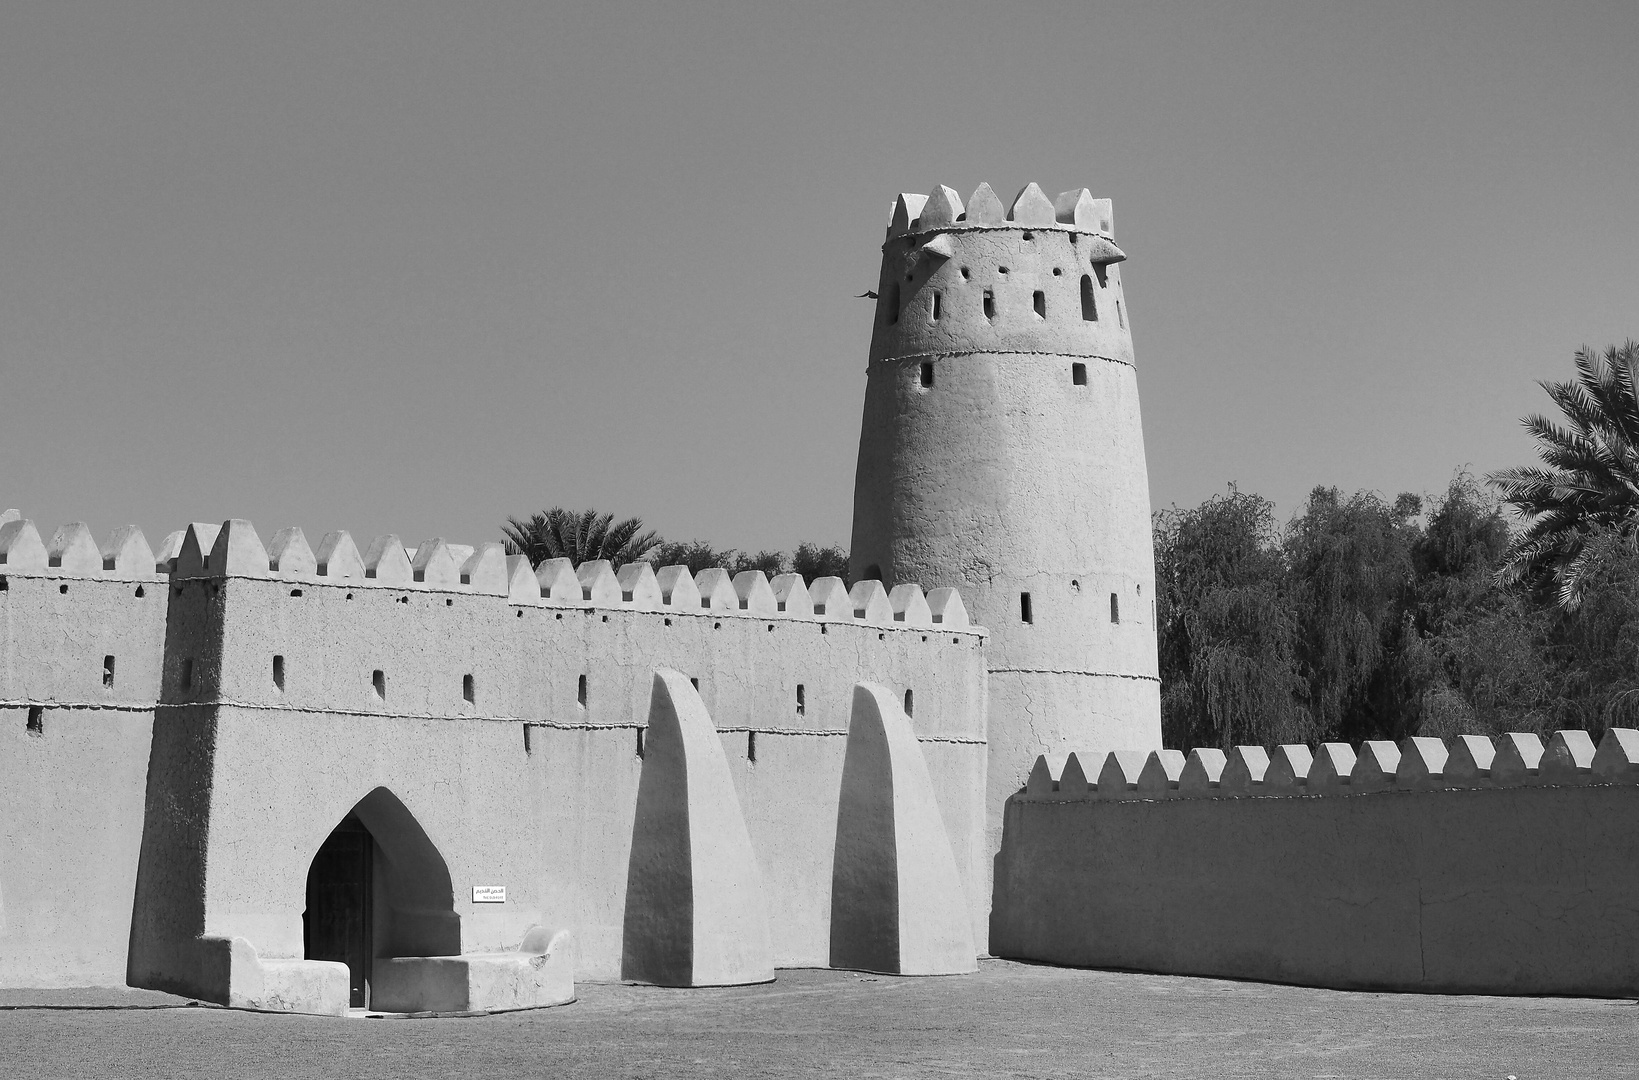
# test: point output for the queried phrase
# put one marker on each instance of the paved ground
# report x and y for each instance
(1009, 1020)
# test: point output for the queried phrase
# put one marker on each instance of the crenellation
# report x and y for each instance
(1617, 759)
(1422, 764)
(1044, 775)
(1032, 208)
(1244, 770)
(490, 570)
(869, 601)
(830, 599)
(1076, 782)
(126, 553)
(1469, 763)
(338, 557)
(169, 550)
(1519, 754)
(1118, 779)
(1375, 767)
(1567, 760)
(522, 587)
(639, 586)
(716, 590)
(909, 605)
(21, 548)
(434, 565)
(558, 582)
(791, 596)
(73, 550)
(290, 555)
(677, 588)
(1159, 777)
(387, 563)
(754, 595)
(1288, 772)
(1202, 777)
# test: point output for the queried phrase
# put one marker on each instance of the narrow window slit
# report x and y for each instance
(1119, 317)
(910, 703)
(927, 373)
(1025, 614)
(802, 703)
(1039, 301)
(378, 680)
(751, 747)
(580, 695)
(527, 749)
(36, 720)
(1089, 299)
(469, 690)
(890, 302)
(639, 742)
(108, 671)
(990, 304)
(1078, 374)
(187, 674)
(1115, 608)
(279, 672)
(938, 307)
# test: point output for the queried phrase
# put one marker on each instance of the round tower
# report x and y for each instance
(1001, 452)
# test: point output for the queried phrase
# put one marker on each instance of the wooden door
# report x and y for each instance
(337, 925)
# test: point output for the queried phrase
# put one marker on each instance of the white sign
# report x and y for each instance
(489, 894)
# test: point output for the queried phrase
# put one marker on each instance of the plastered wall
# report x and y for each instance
(507, 722)
(74, 739)
(1510, 871)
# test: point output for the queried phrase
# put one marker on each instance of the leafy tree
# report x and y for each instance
(563, 534)
(813, 561)
(1590, 481)
(1227, 633)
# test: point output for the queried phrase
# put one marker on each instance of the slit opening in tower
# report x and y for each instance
(1038, 300)
(802, 701)
(1089, 299)
(469, 690)
(1115, 608)
(1025, 614)
(890, 303)
(187, 674)
(910, 702)
(1120, 318)
(378, 680)
(36, 719)
(1078, 374)
(990, 304)
(639, 742)
(279, 672)
(580, 692)
(751, 747)
(938, 306)
(108, 671)
(927, 374)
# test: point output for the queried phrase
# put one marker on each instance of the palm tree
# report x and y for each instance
(1591, 481)
(563, 534)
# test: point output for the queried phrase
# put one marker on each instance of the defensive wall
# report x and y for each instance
(486, 721)
(1485, 867)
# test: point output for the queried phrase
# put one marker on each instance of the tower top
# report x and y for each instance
(943, 211)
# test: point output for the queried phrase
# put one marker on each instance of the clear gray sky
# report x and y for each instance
(412, 267)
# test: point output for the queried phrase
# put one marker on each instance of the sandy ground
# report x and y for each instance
(1009, 1020)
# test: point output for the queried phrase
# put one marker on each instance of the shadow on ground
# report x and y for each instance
(1008, 1020)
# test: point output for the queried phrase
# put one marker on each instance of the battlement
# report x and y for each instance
(234, 549)
(72, 552)
(943, 211)
(1470, 762)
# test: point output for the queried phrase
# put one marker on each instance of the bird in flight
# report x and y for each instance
(866, 295)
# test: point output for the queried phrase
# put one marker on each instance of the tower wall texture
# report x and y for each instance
(1001, 452)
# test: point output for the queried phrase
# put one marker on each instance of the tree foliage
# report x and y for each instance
(579, 537)
(1588, 483)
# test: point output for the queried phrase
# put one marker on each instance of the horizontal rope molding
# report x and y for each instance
(1001, 352)
(1074, 671)
(258, 706)
(1470, 762)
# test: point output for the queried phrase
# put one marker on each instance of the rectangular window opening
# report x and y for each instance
(1119, 317)
(36, 719)
(378, 680)
(1115, 608)
(639, 742)
(890, 303)
(187, 674)
(694, 682)
(1078, 374)
(990, 304)
(1039, 301)
(1089, 299)
(279, 672)
(527, 748)
(927, 373)
(1025, 613)
(910, 703)
(938, 307)
(802, 701)
(751, 747)
(580, 696)
(468, 689)
(108, 671)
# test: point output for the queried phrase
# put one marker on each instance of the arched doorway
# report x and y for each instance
(378, 887)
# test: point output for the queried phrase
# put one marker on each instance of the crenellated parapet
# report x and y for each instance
(235, 549)
(1469, 762)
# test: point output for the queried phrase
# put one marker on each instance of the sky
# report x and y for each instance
(416, 267)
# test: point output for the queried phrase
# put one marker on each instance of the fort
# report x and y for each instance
(283, 776)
